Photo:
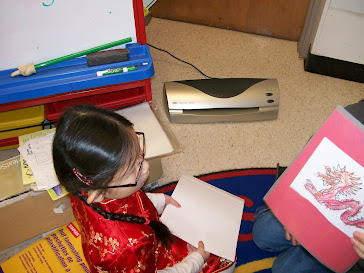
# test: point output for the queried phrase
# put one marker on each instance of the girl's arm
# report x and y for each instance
(160, 201)
(193, 263)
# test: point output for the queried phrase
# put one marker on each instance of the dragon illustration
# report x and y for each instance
(341, 186)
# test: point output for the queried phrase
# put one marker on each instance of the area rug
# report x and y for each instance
(251, 185)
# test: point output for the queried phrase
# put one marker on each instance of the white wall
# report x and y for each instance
(340, 34)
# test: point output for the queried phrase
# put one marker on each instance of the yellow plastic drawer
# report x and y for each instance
(20, 122)
(21, 117)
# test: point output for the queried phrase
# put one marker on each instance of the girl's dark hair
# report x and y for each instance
(97, 143)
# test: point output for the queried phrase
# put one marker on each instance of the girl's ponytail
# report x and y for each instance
(162, 232)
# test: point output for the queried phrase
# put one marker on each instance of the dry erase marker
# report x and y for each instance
(115, 70)
(118, 70)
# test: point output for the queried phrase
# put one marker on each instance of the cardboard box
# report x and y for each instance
(32, 214)
(29, 215)
(155, 170)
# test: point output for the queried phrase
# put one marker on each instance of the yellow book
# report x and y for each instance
(61, 251)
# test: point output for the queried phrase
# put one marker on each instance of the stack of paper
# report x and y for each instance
(144, 120)
(37, 152)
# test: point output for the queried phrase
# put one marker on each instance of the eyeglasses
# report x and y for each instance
(141, 137)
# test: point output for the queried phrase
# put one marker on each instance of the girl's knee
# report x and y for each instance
(261, 233)
(297, 259)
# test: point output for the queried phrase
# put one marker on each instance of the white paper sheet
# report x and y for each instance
(37, 153)
(207, 214)
(157, 142)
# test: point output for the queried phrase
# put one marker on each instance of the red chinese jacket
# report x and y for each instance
(117, 246)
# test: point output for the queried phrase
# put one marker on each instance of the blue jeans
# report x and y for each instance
(268, 234)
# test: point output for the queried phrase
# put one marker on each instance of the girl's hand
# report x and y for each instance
(170, 200)
(358, 243)
(201, 249)
(291, 238)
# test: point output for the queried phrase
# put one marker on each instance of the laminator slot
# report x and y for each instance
(223, 112)
(223, 115)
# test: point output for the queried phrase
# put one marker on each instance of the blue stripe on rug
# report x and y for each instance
(252, 185)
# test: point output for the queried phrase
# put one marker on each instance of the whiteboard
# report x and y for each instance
(41, 30)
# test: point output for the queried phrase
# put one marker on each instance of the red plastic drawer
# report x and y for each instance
(111, 100)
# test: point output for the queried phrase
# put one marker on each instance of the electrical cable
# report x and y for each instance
(181, 60)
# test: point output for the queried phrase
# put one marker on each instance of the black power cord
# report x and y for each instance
(181, 60)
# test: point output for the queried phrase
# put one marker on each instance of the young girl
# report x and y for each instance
(99, 158)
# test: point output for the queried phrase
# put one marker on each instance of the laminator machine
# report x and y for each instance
(219, 100)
